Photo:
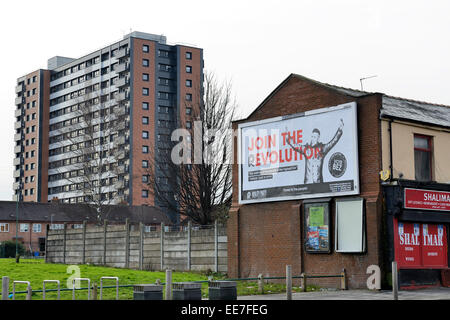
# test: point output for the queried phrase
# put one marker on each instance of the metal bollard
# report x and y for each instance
(260, 283)
(394, 281)
(168, 284)
(289, 282)
(5, 288)
(343, 280)
(29, 293)
(303, 275)
(94, 291)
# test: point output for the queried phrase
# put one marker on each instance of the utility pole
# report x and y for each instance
(18, 196)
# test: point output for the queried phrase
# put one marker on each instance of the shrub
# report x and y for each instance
(8, 249)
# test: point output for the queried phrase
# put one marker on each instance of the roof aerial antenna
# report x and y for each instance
(361, 80)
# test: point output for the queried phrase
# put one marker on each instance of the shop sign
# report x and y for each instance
(427, 199)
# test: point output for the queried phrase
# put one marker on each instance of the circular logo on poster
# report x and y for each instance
(337, 164)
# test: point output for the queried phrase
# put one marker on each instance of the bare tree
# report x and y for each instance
(195, 179)
(96, 137)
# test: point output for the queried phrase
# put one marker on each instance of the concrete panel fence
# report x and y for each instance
(130, 246)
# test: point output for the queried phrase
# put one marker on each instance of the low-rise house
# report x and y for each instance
(31, 220)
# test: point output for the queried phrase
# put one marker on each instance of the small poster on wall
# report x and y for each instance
(313, 238)
(416, 229)
(323, 237)
(400, 229)
(440, 230)
(316, 227)
(425, 229)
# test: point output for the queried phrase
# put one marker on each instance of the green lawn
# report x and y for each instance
(36, 271)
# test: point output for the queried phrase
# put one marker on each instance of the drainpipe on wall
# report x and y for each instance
(391, 166)
(31, 249)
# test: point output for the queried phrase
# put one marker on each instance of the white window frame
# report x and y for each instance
(37, 228)
(4, 227)
(24, 226)
(56, 226)
(347, 223)
(149, 228)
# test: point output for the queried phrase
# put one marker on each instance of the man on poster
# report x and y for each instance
(314, 164)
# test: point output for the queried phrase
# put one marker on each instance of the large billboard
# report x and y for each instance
(307, 155)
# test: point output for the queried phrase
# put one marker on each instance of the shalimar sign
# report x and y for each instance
(307, 155)
(427, 199)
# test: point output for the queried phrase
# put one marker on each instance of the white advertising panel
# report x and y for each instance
(308, 155)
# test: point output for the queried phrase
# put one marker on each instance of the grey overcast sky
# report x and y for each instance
(254, 44)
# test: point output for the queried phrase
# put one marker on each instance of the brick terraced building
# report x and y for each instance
(338, 204)
(34, 218)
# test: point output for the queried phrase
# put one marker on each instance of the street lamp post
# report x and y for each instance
(18, 195)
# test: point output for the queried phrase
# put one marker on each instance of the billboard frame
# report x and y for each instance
(355, 148)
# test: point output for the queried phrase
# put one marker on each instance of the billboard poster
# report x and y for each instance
(308, 155)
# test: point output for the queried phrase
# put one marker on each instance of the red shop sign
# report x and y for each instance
(427, 199)
(420, 245)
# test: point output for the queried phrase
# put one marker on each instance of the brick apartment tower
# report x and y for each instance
(153, 84)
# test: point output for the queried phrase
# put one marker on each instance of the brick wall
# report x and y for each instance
(138, 113)
(264, 237)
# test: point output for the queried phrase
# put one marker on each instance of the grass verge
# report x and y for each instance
(36, 271)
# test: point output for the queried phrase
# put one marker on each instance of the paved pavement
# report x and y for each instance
(419, 294)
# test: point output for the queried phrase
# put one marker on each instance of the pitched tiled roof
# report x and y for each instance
(436, 114)
(400, 108)
(33, 211)
(342, 90)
